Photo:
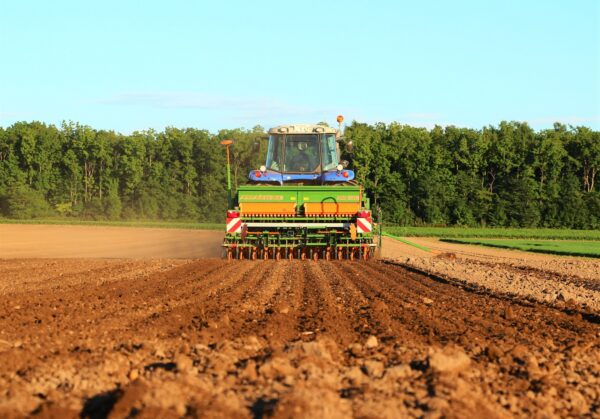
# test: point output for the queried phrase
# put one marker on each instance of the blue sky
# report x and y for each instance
(129, 65)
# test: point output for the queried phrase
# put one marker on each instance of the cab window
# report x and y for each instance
(274, 153)
(329, 152)
(301, 153)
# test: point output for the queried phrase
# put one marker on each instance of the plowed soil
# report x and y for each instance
(215, 338)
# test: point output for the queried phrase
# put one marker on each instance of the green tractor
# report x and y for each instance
(302, 204)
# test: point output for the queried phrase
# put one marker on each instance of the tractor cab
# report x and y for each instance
(302, 154)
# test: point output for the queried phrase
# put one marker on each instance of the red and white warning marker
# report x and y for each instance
(364, 223)
(234, 222)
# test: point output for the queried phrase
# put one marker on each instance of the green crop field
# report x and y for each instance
(557, 247)
(500, 233)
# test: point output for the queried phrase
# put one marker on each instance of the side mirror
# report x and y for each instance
(256, 147)
(349, 146)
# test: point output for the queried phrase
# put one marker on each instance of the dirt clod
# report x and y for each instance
(450, 360)
(133, 375)
(371, 342)
(374, 368)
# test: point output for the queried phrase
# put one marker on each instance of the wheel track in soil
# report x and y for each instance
(388, 319)
(352, 297)
(336, 321)
(232, 307)
(279, 324)
(200, 302)
(308, 317)
(255, 317)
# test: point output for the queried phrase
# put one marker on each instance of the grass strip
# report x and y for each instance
(556, 247)
(508, 233)
(403, 240)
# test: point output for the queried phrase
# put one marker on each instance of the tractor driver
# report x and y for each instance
(303, 160)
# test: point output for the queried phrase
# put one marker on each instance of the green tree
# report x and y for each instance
(23, 202)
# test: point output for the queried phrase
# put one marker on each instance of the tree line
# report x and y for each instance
(509, 175)
(76, 171)
(505, 176)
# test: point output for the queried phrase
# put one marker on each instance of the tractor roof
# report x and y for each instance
(302, 129)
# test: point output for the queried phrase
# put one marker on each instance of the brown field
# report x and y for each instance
(118, 322)
(52, 241)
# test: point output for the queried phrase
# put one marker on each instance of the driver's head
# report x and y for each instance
(302, 146)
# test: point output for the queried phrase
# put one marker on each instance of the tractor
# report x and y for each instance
(303, 203)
